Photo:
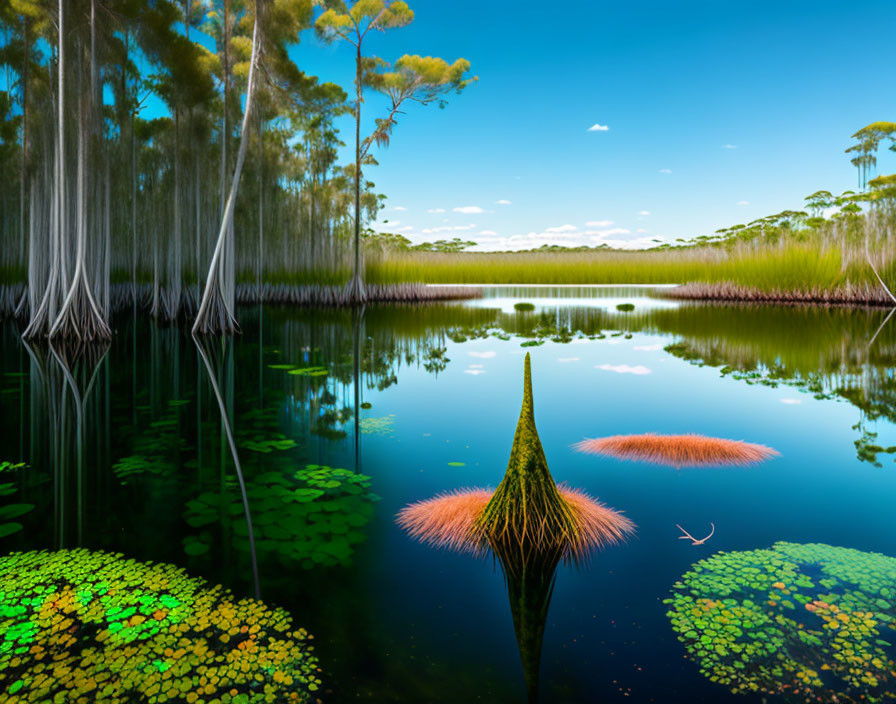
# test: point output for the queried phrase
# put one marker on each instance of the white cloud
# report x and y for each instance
(446, 228)
(403, 228)
(485, 354)
(475, 366)
(590, 237)
(566, 360)
(436, 210)
(598, 223)
(596, 127)
(474, 372)
(729, 146)
(502, 202)
(649, 348)
(399, 207)
(743, 202)
(644, 213)
(791, 401)
(487, 233)
(562, 228)
(665, 171)
(624, 368)
(468, 209)
(641, 231)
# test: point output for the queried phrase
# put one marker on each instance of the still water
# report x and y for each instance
(126, 451)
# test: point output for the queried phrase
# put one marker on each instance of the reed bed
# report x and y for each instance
(678, 450)
(828, 264)
(862, 294)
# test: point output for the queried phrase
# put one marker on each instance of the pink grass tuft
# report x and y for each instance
(678, 450)
(447, 521)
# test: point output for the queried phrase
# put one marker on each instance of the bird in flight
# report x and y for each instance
(694, 541)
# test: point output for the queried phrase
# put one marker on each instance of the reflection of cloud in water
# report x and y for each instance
(624, 368)
(474, 372)
(476, 366)
(649, 348)
(791, 401)
(485, 354)
(568, 359)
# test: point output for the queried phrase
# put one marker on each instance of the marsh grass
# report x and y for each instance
(678, 450)
(826, 264)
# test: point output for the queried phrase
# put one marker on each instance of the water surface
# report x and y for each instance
(126, 452)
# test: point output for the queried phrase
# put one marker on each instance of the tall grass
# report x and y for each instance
(827, 259)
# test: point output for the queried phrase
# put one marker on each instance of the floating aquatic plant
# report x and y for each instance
(314, 517)
(529, 524)
(384, 426)
(527, 510)
(82, 626)
(524, 306)
(811, 621)
(449, 520)
(678, 450)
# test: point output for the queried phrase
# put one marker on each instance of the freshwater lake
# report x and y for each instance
(126, 452)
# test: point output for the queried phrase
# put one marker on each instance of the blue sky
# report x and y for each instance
(717, 113)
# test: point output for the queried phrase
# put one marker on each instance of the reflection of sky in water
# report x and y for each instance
(411, 624)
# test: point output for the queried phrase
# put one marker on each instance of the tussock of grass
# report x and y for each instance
(678, 450)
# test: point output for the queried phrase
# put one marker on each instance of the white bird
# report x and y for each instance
(694, 541)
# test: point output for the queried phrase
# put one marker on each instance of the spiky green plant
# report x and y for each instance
(526, 508)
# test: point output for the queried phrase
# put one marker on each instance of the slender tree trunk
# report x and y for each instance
(215, 314)
(357, 293)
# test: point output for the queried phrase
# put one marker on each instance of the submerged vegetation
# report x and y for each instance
(77, 625)
(813, 623)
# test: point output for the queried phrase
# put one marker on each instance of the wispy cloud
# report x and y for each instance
(791, 401)
(474, 372)
(447, 228)
(642, 231)
(649, 348)
(567, 360)
(598, 223)
(562, 236)
(403, 228)
(743, 202)
(643, 213)
(665, 171)
(597, 127)
(436, 210)
(729, 146)
(624, 368)
(561, 228)
(488, 233)
(468, 209)
(484, 354)
(502, 202)
(399, 207)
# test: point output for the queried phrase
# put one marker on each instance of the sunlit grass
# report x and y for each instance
(826, 263)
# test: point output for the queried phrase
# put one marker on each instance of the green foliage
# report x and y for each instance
(314, 517)
(800, 620)
(89, 626)
(12, 466)
(524, 307)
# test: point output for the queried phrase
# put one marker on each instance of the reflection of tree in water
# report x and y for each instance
(85, 626)
(812, 623)
(822, 353)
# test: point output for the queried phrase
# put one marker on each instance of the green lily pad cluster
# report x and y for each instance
(814, 622)
(384, 426)
(314, 517)
(82, 626)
